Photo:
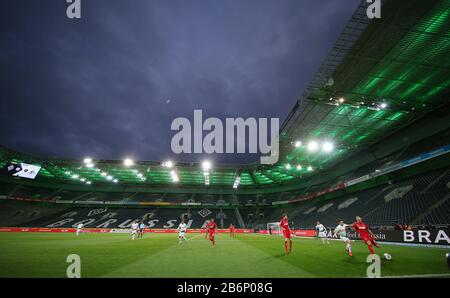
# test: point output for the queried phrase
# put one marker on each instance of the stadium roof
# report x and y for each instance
(380, 76)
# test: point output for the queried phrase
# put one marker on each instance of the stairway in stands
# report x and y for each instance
(436, 208)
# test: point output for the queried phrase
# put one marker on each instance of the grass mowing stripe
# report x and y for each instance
(230, 258)
(44, 254)
(418, 276)
(138, 263)
(331, 260)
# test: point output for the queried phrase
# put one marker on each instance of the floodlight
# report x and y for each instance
(167, 164)
(237, 181)
(327, 146)
(313, 146)
(206, 165)
(128, 162)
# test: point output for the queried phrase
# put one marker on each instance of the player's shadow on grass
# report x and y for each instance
(281, 255)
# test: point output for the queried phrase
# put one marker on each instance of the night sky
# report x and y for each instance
(99, 86)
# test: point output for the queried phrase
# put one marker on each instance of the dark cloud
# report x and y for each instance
(98, 86)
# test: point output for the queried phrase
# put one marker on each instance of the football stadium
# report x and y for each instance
(360, 187)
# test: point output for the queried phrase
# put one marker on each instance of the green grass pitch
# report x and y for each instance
(159, 255)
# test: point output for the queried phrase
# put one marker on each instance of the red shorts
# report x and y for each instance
(367, 238)
(211, 236)
(287, 234)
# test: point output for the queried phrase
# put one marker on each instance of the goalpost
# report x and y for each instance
(275, 228)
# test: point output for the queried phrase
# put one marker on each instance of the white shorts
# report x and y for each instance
(181, 234)
(322, 234)
(133, 232)
(343, 238)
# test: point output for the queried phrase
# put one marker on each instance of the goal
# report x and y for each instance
(274, 228)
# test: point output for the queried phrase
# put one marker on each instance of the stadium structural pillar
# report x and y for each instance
(239, 218)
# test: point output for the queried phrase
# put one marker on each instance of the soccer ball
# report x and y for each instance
(387, 257)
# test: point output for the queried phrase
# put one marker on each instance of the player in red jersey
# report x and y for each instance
(365, 233)
(284, 225)
(231, 231)
(211, 227)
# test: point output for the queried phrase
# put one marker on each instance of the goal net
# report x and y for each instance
(274, 228)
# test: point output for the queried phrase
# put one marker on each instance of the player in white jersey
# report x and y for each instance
(134, 229)
(341, 231)
(79, 227)
(182, 228)
(322, 232)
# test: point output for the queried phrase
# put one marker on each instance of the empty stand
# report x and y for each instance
(422, 199)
